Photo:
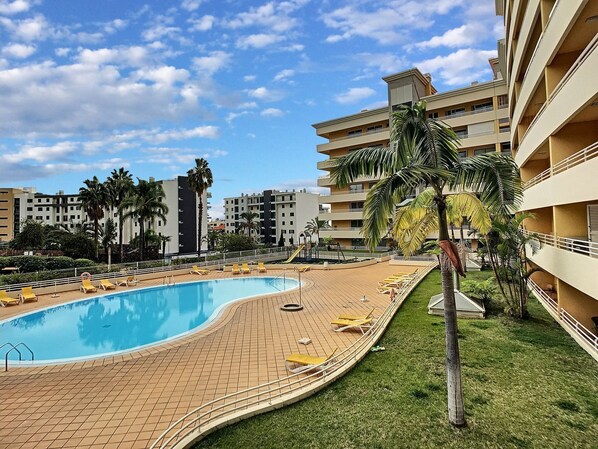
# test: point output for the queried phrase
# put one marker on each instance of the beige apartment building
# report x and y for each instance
(550, 60)
(478, 113)
(8, 213)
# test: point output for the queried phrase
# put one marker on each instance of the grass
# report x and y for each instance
(526, 385)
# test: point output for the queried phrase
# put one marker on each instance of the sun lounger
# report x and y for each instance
(86, 286)
(343, 325)
(27, 294)
(6, 300)
(130, 280)
(245, 269)
(356, 317)
(298, 363)
(261, 268)
(107, 285)
(236, 269)
(196, 270)
(303, 268)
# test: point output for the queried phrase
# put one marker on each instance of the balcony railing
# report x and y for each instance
(578, 246)
(576, 65)
(567, 320)
(587, 153)
(367, 133)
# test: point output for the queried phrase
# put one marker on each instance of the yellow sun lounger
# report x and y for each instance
(261, 268)
(236, 269)
(298, 363)
(130, 280)
(356, 317)
(196, 270)
(245, 269)
(303, 268)
(362, 325)
(107, 285)
(6, 300)
(86, 286)
(27, 294)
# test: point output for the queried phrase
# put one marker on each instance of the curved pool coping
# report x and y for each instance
(210, 321)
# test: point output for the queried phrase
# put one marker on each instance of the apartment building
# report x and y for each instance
(550, 59)
(280, 214)
(478, 114)
(65, 209)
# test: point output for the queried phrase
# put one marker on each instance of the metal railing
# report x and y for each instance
(579, 246)
(565, 318)
(540, 38)
(254, 399)
(578, 62)
(72, 275)
(15, 348)
(583, 155)
(352, 136)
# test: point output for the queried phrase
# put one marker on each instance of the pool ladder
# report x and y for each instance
(168, 281)
(14, 348)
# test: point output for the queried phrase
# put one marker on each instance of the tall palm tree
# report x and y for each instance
(108, 236)
(94, 200)
(144, 204)
(314, 226)
(424, 151)
(249, 222)
(200, 179)
(119, 184)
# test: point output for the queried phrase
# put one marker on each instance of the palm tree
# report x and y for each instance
(119, 184)
(314, 226)
(200, 179)
(108, 236)
(144, 204)
(94, 200)
(424, 151)
(164, 239)
(249, 222)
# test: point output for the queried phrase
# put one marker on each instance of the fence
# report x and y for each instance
(275, 394)
(579, 246)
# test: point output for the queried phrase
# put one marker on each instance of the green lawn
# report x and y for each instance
(527, 385)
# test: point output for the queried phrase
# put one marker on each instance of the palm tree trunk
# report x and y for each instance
(96, 225)
(120, 237)
(199, 220)
(141, 238)
(109, 256)
(456, 411)
(463, 253)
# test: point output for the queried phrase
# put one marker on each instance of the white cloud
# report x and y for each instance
(31, 29)
(460, 67)
(208, 132)
(115, 25)
(273, 16)
(191, 5)
(235, 115)
(462, 36)
(135, 56)
(263, 93)
(354, 94)
(258, 40)
(42, 153)
(271, 112)
(19, 51)
(249, 78)
(284, 75)
(212, 63)
(62, 51)
(204, 23)
(8, 7)
(159, 31)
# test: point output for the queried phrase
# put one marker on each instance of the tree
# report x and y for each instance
(314, 226)
(31, 236)
(94, 199)
(108, 236)
(506, 248)
(164, 239)
(119, 185)
(144, 204)
(211, 238)
(249, 222)
(200, 179)
(424, 151)
(235, 242)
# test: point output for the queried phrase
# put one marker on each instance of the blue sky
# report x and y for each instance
(88, 86)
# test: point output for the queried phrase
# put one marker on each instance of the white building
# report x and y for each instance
(280, 214)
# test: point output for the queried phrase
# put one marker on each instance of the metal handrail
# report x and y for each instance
(14, 348)
(249, 398)
(578, 62)
(565, 317)
(578, 246)
(583, 155)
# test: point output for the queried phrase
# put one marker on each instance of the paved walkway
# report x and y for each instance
(127, 401)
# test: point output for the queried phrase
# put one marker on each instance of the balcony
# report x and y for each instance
(325, 181)
(342, 197)
(341, 233)
(350, 214)
(352, 141)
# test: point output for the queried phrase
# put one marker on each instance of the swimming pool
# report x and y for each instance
(129, 320)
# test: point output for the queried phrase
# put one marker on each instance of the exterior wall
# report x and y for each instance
(551, 55)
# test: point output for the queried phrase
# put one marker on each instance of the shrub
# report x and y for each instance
(83, 263)
(59, 263)
(4, 262)
(28, 264)
(483, 290)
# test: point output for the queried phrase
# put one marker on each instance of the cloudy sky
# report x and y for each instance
(87, 86)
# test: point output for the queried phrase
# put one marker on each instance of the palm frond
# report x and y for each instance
(468, 205)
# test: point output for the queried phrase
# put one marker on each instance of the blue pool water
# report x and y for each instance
(128, 320)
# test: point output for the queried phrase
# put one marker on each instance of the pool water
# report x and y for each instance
(128, 320)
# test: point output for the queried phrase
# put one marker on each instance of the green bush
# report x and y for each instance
(4, 262)
(28, 264)
(59, 263)
(83, 263)
(483, 290)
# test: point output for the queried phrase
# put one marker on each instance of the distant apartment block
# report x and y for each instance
(20, 204)
(550, 60)
(278, 214)
(217, 225)
(478, 114)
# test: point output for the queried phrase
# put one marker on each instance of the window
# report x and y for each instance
(455, 112)
(292, 214)
(291, 223)
(373, 129)
(357, 205)
(283, 214)
(355, 132)
(461, 133)
(356, 223)
(482, 107)
(29, 200)
(505, 147)
(30, 209)
(159, 223)
(356, 188)
(503, 101)
(47, 208)
(483, 151)
(292, 231)
(433, 115)
(462, 154)
(283, 223)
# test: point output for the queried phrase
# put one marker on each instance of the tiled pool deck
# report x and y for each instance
(127, 401)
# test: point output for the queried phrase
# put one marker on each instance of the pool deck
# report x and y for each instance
(127, 401)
